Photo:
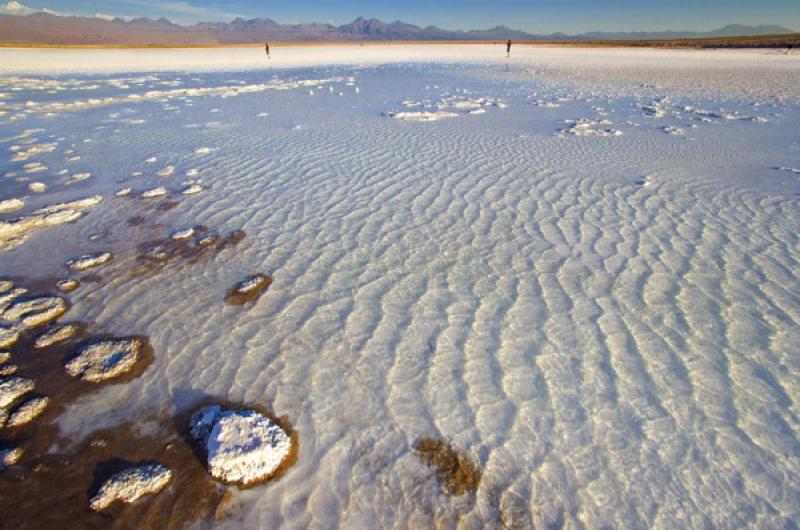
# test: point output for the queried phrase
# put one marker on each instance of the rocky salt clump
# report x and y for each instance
(12, 388)
(8, 337)
(34, 312)
(249, 289)
(101, 360)
(10, 456)
(8, 369)
(89, 261)
(17, 231)
(130, 485)
(28, 411)
(55, 335)
(241, 447)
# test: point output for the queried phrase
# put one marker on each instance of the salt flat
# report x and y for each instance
(579, 266)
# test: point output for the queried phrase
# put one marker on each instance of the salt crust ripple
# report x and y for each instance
(614, 353)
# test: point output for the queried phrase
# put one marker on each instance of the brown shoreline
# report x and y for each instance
(762, 41)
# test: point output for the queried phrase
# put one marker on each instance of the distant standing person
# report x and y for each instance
(266, 49)
(508, 48)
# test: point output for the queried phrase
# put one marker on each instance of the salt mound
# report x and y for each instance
(67, 285)
(248, 289)
(12, 388)
(34, 312)
(4, 357)
(15, 232)
(130, 485)
(242, 447)
(422, 115)
(28, 411)
(191, 190)
(104, 359)
(55, 335)
(8, 336)
(11, 205)
(154, 192)
(8, 369)
(89, 261)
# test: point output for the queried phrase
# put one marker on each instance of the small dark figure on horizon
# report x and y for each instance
(266, 49)
(508, 48)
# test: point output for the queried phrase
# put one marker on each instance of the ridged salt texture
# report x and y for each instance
(608, 324)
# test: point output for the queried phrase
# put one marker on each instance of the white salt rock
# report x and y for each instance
(8, 369)
(123, 192)
(4, 357)
(130, 485)
(37, 187)
(186, 233)
(154, 192)
(191, 190)
(12, 388)
(28, 411)
(89, 261)
(55, 335)
(242, 447)
(104, 359)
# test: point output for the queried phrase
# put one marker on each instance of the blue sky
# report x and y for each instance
(538, 16)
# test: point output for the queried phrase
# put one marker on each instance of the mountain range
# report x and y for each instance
(45, 28)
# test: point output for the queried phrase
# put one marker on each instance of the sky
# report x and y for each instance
(534, 16)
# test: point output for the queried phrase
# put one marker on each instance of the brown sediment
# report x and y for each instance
(47, 489)
(455, 470)
(158, 253)
(183, 423)
(167, 206)
(238, 296)
(52, 490)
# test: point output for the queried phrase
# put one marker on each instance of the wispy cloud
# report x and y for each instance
(182, 10)
(15, 8)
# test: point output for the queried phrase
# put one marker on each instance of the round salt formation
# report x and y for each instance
(242, 447)
(130, 485)
(89, 261)
(100, 360)
(28, 411)
(124, 192)
(67, 285)
(4, 357)
(8, 369)
(37, 187)
(55, 335)
(34, 312)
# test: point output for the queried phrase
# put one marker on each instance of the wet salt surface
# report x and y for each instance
(606, 324)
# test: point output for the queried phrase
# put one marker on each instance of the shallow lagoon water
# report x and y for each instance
(608, 325)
